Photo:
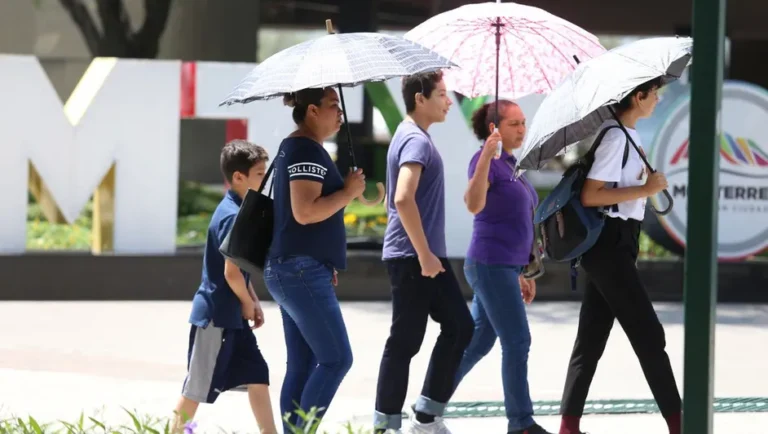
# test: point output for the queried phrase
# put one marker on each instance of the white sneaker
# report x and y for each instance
(436, 427)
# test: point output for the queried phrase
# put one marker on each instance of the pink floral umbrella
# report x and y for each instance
(505, 48)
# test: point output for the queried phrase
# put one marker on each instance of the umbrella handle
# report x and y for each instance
(379, 196)
(671, 201)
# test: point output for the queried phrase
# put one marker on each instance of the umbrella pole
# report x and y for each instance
(329, 29)
(498, 50)
(379, 186)
(346, 127)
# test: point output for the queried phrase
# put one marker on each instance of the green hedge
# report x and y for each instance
(197, 202)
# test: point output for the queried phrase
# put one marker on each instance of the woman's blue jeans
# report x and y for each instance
(318, 350)
(498, 311)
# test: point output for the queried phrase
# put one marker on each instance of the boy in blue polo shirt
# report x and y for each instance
(223, 353)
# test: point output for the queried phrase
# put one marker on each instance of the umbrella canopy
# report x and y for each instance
(578, 106)
(534, 48)
(346, 59)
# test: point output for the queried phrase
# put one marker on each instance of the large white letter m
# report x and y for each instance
(120, 126)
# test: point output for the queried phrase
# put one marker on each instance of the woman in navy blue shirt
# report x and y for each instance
(309, 244)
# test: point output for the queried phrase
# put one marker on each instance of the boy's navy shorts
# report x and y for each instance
(222, 359)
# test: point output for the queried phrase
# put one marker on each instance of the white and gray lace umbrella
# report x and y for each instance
(346, 59)
(581, 102)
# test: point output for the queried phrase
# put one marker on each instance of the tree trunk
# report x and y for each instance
(117, 39)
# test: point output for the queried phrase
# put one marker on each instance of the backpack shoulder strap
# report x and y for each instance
(626, 154)
(615, 206)
(590, 155)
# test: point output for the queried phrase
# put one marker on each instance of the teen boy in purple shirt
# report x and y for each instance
(502, 238)
(423, 284)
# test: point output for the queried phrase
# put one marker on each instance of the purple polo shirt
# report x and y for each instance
(502, 232)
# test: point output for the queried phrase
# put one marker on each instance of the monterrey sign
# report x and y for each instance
(743, 149)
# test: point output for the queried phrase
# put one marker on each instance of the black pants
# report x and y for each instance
(415, 298)
(614, 291)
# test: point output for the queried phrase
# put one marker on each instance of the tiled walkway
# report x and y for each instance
(60, 358)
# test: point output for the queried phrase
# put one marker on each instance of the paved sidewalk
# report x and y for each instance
(60, 358)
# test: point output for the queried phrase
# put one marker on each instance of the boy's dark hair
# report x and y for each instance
(423, 83)
(626, 102)
(301, 100)
(239, 156)
(486, 114)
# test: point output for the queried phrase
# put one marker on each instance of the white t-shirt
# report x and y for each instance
(607, 168)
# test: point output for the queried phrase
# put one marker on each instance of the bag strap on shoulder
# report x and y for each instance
(590, 155)
(269, 172)
(615, 206)
(626, 154)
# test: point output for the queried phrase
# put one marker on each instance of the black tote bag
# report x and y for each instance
(247, 243)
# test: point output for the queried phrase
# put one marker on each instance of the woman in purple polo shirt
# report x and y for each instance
(500, 248)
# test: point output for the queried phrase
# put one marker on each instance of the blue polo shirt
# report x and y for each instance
(302, 158)
(214, 300)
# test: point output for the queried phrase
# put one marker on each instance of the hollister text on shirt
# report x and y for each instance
(313, 170)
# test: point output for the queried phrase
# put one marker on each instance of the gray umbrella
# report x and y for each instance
(337, 60)
(346, 59)
(582, 101)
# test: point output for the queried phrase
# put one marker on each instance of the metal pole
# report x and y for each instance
(701, 238)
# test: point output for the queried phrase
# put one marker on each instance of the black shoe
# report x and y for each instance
(534, 429)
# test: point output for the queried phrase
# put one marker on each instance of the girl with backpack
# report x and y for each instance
(614, 290)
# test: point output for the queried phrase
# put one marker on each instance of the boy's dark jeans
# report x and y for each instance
(416, 298)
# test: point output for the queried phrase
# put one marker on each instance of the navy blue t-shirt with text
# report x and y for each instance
(301, 158)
